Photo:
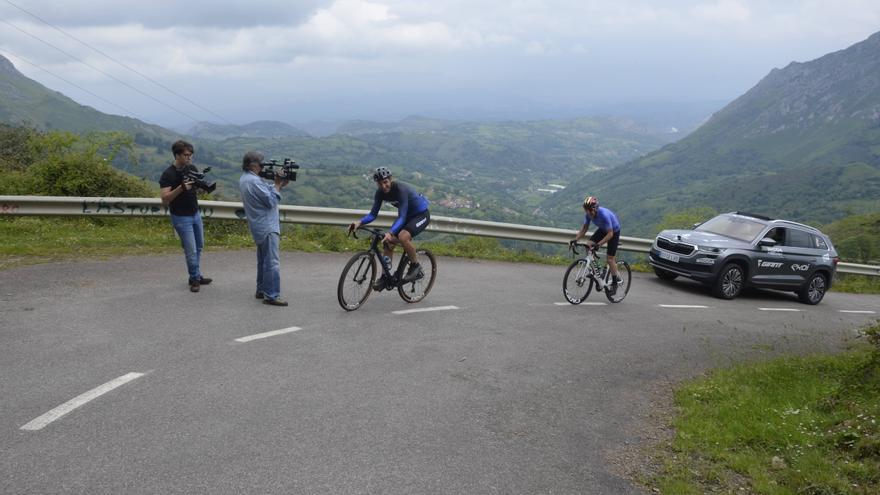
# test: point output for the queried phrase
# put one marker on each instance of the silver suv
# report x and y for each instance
(735, 250)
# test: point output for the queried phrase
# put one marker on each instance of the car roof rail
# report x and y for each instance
(754, 215)
(813, 229)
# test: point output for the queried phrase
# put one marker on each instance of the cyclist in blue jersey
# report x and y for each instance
(607, 233)
(412, 218)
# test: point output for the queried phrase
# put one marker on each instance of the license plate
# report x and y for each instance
(667, 256)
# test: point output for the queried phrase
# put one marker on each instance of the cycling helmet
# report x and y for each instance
(381, 173)
(591, 202)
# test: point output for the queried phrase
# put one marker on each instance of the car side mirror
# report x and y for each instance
(767, 242)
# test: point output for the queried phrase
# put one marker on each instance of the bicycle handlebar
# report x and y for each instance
(375, 232)
(572, 246)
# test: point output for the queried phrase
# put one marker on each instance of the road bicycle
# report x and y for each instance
(359, 275)
(584, 272)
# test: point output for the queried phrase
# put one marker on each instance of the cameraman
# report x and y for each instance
(178, 192)
(261, 208)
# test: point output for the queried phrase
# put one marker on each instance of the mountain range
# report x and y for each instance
(803, 144)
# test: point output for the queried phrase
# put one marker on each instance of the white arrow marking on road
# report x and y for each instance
(267, 334)
(861, 312)
(683, 306)
(40, 422)
(780, 309)
(421, 310)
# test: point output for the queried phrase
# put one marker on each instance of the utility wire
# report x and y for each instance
(125, 110)
(102, 72)
(157, 83)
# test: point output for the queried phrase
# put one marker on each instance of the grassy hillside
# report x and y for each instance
(497, 171)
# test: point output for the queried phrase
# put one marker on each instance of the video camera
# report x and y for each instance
(199, 180)
(287, 169)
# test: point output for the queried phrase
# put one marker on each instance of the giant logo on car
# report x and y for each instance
(769, 264)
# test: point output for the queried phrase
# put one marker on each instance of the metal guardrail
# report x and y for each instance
(153, 207)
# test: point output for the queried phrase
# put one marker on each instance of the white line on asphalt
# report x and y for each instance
(40, 422)
(267, 334)
(792, 310)
(420, 310)
(861, 312)
(582, 304)
(683, 306)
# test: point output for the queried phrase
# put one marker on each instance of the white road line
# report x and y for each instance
(792, 310)
(264, 335)
(421, 310)
(860, 312)
(683, 306)
(581, 304)
(40, 422)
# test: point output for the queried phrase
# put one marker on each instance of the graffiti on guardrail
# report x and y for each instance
(102, 207)
(8, 209)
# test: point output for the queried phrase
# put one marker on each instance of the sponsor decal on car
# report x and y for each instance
(769, 264)
(800, 268)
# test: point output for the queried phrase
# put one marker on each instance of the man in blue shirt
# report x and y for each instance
(607, 233)
(412, 218)
(261, 208)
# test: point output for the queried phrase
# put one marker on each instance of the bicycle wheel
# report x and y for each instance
(577, 283)
(415, 291)
(356, 281)
(623, 287)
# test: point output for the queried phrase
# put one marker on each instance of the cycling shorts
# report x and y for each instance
(611, 247)
(417, 224)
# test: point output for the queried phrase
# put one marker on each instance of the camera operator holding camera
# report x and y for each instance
(261, 208)
(177, 191)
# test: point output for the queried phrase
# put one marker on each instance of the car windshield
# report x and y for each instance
(736, 227)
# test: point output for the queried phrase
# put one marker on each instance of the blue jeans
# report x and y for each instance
(192, 238)
(269, 266)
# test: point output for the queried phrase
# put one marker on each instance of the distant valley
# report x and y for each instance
(804, 144)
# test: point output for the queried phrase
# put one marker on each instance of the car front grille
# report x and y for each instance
(675, 247)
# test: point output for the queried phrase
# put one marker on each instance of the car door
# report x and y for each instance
(769, 264)
(800, 256)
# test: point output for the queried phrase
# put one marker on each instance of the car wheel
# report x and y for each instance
(730, 282)
(665, 275)
(814, 290)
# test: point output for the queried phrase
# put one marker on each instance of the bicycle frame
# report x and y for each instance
(376, 236)
(591, 266)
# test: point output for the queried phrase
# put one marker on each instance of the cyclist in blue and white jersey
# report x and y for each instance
(412, 218)
(607, 233)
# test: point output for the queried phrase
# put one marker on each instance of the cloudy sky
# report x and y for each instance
(175, 62)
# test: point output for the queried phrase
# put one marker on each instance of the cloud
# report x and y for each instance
(722, 11)
(158, 14)
(500, 51)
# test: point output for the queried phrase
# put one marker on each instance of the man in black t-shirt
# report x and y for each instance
(177, 192)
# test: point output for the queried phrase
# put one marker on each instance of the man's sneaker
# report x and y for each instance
(194, 286)
(274, 302)
(205, 280)
(414, 273)
(379, 284)
(618, 281)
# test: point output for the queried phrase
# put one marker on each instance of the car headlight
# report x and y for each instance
(710, 250)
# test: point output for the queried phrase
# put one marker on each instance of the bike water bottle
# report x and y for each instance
(386, 261)
(604, 272)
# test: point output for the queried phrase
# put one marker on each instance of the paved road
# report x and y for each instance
(509, 393)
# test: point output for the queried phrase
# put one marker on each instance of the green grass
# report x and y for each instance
(789, 426)
(30, 240)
